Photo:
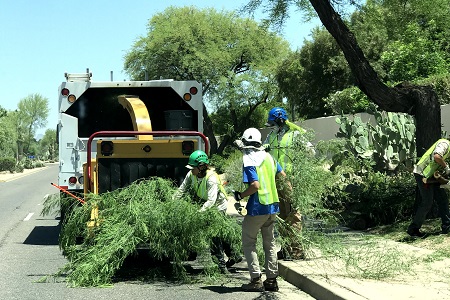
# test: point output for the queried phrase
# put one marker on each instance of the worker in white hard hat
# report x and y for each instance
(259, 171)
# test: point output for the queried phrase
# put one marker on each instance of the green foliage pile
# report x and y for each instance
(141, 215)
(311, 182)
(362, 256)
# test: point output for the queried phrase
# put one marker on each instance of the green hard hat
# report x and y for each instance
(197, 158)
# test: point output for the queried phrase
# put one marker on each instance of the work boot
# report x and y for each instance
(223, 270)
(255, 285)
(271, 285)
(284, 255)
(415, 232)
(445, 229)
(232, 261)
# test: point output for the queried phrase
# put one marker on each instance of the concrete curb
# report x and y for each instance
(316, 286)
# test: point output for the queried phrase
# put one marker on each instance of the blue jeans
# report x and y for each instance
(429, 193)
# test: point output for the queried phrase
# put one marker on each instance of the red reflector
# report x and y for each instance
(193, 90)
(72, 180)
(65, 92)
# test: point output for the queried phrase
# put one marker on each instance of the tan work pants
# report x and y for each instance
(250, 228)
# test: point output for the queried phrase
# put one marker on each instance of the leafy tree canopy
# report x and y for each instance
(234, 58)
(310, 74)
(187, 43)
(402, 40)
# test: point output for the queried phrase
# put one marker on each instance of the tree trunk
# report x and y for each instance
(209, 132)
(418, 101)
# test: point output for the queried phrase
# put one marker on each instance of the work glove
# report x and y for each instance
(237, 195)
(267, 147)
(240, 209)
(447, 170)
(445, 186)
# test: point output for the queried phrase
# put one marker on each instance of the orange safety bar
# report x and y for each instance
(68, 193)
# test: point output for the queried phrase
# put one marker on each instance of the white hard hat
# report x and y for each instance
(251, 135)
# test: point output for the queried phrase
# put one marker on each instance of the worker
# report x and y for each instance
(259, 171)
(279, 142)
(281, 139)
(207, 186)
(433, 160)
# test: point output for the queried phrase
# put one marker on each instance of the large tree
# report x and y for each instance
(8, 135)
(419, 101)
(307, 76)
(223, 51)
(32, 113)
(48, 149)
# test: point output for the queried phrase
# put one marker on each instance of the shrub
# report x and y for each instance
(18, 168)
(38, 164)
(7, 164)
(27, 163)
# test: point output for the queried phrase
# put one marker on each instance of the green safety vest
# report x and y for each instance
(267, 192)
(280, 149)
(427, 163)
(201, 190)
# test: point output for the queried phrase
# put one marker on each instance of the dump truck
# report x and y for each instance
(113, 133)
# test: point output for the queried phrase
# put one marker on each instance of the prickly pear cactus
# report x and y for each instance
(356, 133)
(391, 142)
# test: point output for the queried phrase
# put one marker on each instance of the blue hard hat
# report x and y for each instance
(276, 113)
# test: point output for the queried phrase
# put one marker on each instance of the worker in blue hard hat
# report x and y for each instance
(280, 140)
(280, 143)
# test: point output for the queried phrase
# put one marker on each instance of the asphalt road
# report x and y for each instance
(30, 256)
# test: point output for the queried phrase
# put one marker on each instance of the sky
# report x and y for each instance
(42, 40)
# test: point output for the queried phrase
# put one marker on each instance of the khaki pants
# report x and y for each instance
(250, 228)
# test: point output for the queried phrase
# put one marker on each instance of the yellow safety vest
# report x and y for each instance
(267, 192)
(200, 188)
(427, 163)
(280, 149)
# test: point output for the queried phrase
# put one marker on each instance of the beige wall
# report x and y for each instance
(326, 128)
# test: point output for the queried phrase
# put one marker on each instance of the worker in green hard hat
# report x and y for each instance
(207, 186)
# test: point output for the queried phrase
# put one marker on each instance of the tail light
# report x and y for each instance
(72, 98)
(192, 91)
(72, 180)
(107, 148)
(187, 147)
(65, 92)
(187, 97)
